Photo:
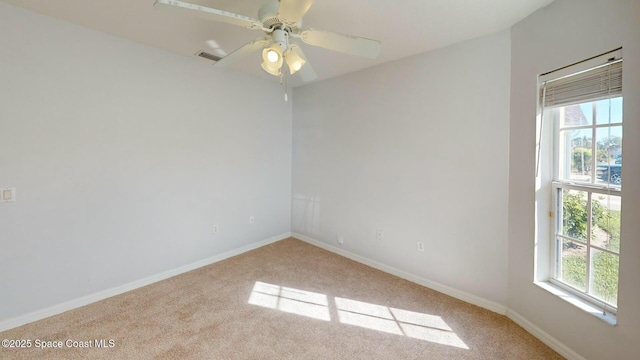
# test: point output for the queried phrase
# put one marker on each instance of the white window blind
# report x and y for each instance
(602, 82)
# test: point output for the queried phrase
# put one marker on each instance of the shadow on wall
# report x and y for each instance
(306, 214)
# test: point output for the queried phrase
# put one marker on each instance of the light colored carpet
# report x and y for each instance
(287, 300)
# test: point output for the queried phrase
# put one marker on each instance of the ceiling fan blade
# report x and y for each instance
(293, 10)
(209, 13)
(243, 51)
(306, 72)
(347, 44)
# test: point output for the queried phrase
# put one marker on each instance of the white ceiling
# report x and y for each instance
(405, 27)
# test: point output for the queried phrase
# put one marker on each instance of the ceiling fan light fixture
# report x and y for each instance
(294, 61)
(271, 69)
(272, 57)
(281, 20)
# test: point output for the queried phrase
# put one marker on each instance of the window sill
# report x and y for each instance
(608, 318)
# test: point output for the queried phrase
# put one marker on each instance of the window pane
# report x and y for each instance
(609, 159)
(574, 264)
(575, 158)
(609, 111)
(604, 281)
(605, 217)
(577, 115)
(574, 214)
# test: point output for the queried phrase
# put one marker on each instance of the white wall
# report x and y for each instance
(124, 156)
(565, 32)
(418, 149)
(104, 139)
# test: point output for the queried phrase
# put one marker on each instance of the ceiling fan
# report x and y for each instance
(281, 20)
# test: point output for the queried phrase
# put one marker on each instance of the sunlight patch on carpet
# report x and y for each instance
(294, 301)
(415, 325)
(390, 320)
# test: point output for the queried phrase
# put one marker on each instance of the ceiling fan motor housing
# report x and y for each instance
(281, 37)
(268, 15)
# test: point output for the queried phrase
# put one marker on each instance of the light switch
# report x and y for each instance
(7, 194)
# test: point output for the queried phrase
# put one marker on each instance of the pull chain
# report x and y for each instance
(283, 82)
(286, 98)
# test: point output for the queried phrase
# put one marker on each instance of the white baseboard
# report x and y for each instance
(552, 342)
(461, 295)
(86, 300)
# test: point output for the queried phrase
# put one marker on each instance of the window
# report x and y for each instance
(582, 171)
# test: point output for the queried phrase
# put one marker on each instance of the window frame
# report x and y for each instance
(555, 186)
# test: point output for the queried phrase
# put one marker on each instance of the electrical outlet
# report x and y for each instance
(420, 246)
(340, 239)
(379, 234)
(252, 219)
(7, 194)
(215, 228)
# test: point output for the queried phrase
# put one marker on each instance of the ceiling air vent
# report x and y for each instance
(208, 56)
